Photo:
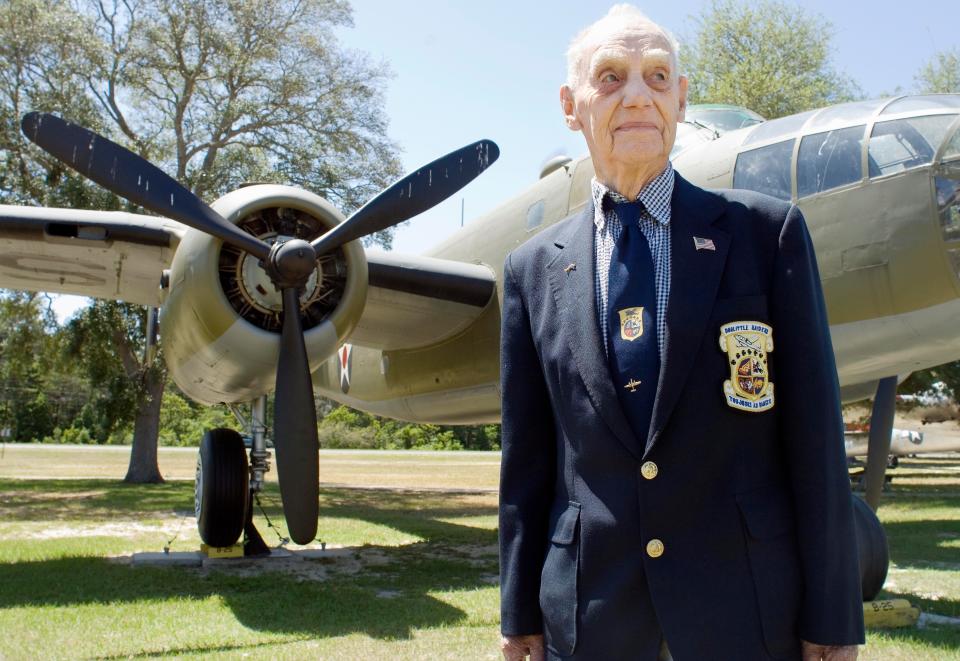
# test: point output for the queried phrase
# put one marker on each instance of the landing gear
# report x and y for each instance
(221, 491)
(226, 485)
(881, 431)
(871, 538)
(871, 549)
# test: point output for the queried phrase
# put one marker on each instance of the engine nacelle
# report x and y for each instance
(221, 315)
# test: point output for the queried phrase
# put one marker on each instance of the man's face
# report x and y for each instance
(628, 98)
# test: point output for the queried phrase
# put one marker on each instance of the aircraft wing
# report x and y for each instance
(101, 254)
(414, 301)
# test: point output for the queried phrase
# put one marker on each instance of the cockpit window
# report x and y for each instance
(948, 207)
(923, 102)
(843, 114)
(902, 144)
(952, 150)
(829, 160)
(689, 134)
(783, 127)
(765, 170)
(535, 215)
(723, 119)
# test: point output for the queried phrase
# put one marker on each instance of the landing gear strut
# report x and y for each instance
(878, 448)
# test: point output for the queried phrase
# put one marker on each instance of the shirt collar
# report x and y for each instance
(655, 197)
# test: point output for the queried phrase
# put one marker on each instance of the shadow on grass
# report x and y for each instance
(450, 557)
(270, 602)
(207, 649)
(927, 544)
(65, 500)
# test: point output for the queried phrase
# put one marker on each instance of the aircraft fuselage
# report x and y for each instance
(879, 185)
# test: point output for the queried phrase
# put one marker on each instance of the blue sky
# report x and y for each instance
(492, 69)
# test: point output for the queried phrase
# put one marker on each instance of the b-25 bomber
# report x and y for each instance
(269, 288)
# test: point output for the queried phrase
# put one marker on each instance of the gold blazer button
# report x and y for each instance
(649, 470)
(654, 548)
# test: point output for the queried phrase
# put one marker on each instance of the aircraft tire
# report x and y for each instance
(872, 549)
(221, 490)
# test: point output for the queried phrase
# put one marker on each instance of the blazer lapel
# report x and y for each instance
(694, 279)
(572, 278)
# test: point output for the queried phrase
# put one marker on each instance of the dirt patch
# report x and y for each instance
(311, 564)
(475, 555)
(124, 529)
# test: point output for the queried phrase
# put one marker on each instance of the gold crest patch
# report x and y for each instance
(747, 344)
(631, 323)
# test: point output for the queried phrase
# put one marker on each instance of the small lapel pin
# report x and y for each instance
(704, 244)
(571, 267)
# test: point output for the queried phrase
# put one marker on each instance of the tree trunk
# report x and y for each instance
(144, 468)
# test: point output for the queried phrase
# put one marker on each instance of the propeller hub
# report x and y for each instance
(255, 287)
(291, 263)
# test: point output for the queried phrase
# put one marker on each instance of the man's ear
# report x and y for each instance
(569, 109)
(682, 82)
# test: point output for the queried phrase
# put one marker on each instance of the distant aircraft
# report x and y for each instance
(903, 443)
(272, 286)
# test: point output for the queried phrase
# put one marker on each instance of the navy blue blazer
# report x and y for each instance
(753, 509)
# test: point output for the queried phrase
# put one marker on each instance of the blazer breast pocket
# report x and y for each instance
(558, 583)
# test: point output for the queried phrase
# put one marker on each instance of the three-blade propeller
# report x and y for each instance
(288, 264)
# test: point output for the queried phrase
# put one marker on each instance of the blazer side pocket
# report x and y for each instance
(558, 583)
(769, 530)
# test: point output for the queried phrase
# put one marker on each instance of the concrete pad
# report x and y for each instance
(175, 559)
(320, 554)
(275, 554)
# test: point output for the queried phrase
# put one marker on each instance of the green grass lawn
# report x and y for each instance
(408, 573)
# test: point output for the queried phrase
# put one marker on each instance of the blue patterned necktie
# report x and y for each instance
(633, 353)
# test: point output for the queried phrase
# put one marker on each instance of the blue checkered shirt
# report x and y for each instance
(655, 225)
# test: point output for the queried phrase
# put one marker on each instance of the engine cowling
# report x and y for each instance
(220, 316)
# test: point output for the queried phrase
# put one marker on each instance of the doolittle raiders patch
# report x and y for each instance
(747, 344)
(631, 323)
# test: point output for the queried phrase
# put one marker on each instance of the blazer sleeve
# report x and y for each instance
(527, 465)
(811, 428)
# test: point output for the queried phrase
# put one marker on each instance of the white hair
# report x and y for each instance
(623, 15)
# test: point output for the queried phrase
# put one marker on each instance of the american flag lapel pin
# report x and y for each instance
(704, 244)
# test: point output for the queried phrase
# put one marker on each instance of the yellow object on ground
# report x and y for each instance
(235, 551)
(890, 614)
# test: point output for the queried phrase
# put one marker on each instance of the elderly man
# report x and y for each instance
(657, 498)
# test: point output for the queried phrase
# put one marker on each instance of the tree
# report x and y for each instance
(941, 73)
(221, 92)
(108, 340)
(771, 57)
(45, 52)
(948, 374)
(217, 92)
(26, 350)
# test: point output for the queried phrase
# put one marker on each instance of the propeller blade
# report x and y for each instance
(414, 194)
(128, 175)
(295, 428)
